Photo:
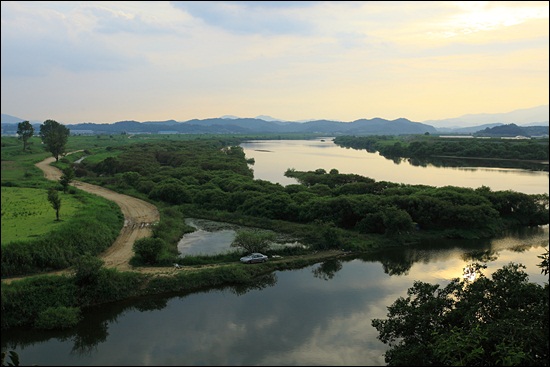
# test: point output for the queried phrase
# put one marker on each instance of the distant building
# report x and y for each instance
(82, 132)
(518, 137)
(456, 136)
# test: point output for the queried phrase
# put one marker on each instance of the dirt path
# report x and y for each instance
(138, 218)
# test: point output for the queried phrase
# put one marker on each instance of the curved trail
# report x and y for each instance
(139, 215)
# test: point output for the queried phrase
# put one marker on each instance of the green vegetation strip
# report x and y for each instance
(27, 213)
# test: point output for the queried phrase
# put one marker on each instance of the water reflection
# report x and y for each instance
(399, 261)
(315, 315)
(213, 238)
(327, 269)
(89, 334)
(472, 163)
(309, 155)
(207, 239)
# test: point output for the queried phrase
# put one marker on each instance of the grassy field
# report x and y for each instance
(27, 213)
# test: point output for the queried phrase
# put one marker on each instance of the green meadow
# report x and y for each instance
(33, 241)
(27, 213)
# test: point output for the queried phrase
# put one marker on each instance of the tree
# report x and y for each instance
(397, 221)
(55, 200)
(13, 358)
(253, 241)
(149, 249)
(544, 264)
(25, 132)
(87, 268)
(498, 321)
(54, 136)
(172, 191)
(66, 178)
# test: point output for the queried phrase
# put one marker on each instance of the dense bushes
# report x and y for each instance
(52, 301)
(58, 318)
(148, 250)
(391, 146)
(23, 301)
(206, 175)
(92, 230)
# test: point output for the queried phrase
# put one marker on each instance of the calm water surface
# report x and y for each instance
(274, 157)
(318, 315)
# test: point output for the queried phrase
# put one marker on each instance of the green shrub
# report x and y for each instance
(24, 300)
(58, 318)
(149, 249)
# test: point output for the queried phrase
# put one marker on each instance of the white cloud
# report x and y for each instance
(340, 60)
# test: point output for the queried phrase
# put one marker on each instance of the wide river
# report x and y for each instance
(274, 157)
(317, 315)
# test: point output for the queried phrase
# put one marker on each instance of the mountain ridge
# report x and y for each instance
(526, 117)
(230, 124)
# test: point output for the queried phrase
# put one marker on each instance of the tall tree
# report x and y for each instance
(54, 136)
(55, 200)
(25, 132)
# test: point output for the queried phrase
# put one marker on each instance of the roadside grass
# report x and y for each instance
(91, 228)
(18, 167)
(27, 213)
(32, 241)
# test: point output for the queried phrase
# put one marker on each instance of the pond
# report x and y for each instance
(213, 238)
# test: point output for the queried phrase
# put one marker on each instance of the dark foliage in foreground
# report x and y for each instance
(502, 321)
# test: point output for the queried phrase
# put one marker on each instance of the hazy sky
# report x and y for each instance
(86, 61)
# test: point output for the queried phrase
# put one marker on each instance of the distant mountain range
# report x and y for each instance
(229, 124)
(535, 116)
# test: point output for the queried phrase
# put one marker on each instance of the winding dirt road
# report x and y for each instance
(138, 218)
(139, 215)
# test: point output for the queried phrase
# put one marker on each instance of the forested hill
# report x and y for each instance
(375, 126)
(513, 130)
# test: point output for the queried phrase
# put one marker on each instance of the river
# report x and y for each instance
(317, 315)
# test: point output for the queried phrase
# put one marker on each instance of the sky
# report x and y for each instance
(108, 61)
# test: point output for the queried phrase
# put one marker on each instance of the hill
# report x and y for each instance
(263, 124)
(535, 116)
(513, 130)
(376, 126)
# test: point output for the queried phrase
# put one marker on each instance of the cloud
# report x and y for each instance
(112, 21)
(151, 60)
(256, 17)
(484, 16)
(37, 41)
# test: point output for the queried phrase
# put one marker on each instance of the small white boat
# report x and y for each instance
(469, 273)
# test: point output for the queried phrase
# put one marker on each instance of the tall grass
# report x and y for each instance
(32, 241)
(90, 229)
(27, 213)
(18, 167)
